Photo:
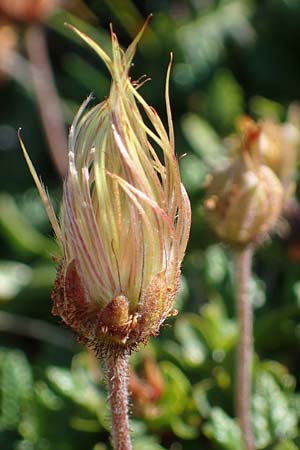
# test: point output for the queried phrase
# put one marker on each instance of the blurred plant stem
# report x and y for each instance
(242, 269)
(36, 329)
(117, 381)
(47, 97)
(15, 66)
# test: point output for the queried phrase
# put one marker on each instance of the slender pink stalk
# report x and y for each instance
(117, 381)
(243, 259)
(47, 97)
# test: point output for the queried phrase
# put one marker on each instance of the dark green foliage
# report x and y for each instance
(230, 57)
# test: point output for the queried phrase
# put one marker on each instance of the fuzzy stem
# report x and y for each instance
(117, 381)
(243, 260)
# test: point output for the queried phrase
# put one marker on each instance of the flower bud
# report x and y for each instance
(243, 200)
(278, 146)
(125, 217)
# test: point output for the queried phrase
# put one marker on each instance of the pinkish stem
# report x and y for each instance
(47, 97)
(117, 381)
(243, 260)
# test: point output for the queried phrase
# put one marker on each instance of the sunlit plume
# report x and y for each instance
(125, 216)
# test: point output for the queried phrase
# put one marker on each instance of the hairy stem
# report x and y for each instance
(243, 260)
(47, 97)
(117, 381)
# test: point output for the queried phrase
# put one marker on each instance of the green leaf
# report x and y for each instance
(16, 387)
(47, 397)
(273, 417)
(14, 276)
(203, 40)
(85, 425)
(257, 292)
(77, 386)
(266, 109)
(200, 391)
(218, 331)
(193, 172)
(285, 445)
(225, 100)
(146, 443)
(63, 381)
(175, 396)
(21, 235)
(27, 445)
(184, 430)
(187, 333)
(203, 139)
(82, 392)
(223, 430)
(100, 446)
(215, 264)
(281, 375)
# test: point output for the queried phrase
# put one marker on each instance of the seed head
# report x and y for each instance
(244, 200)
(125, 216)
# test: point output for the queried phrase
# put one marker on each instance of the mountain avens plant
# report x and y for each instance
(124, 225)
(243, 203)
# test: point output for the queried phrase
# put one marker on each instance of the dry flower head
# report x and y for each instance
(125, 216)
(244, 200)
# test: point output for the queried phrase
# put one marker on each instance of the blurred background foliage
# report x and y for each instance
(230, 57)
